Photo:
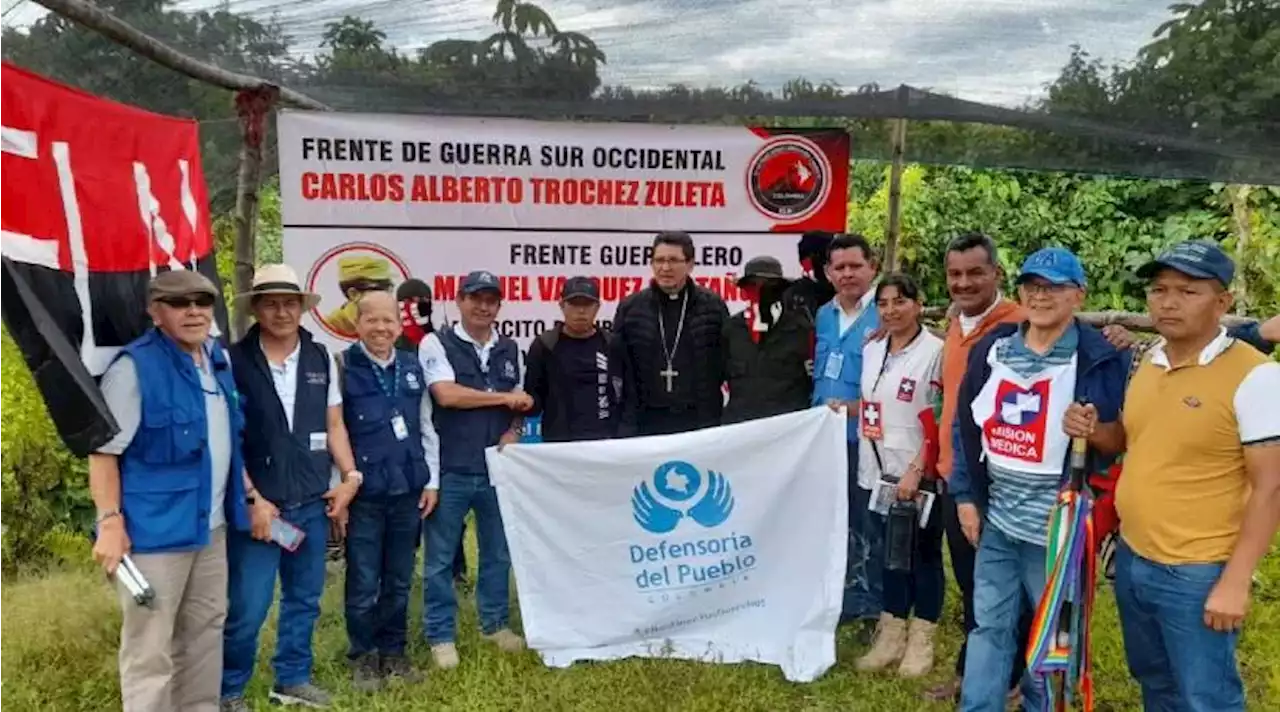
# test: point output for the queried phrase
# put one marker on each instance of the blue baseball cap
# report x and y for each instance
(480, 281)
(1199, 259)
(1053, 264)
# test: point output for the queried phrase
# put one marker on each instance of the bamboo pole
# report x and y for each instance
(1129, 320)
(103, 22)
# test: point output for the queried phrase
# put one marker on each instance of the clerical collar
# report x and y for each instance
(678, 293)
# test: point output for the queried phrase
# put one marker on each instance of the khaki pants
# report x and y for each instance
(171, 653)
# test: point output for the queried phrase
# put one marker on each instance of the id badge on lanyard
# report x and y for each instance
(835, 363)
(398, 427)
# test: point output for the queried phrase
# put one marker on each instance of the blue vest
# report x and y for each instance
(465, 433)
(391, 466)
(166, 481)
(847, 350)
(283, 466)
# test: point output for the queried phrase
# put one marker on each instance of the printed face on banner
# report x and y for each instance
(344, 274)
(1017, 427)
(680, 494)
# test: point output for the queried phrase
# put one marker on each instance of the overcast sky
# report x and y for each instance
(996, 51)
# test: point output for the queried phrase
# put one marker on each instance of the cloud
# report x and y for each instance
(996, 51)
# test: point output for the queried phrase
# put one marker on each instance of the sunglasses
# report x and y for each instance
(204, 301)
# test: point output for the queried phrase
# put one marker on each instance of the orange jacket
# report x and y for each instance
(955, 359)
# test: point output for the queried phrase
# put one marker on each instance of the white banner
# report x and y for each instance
(372, 200)
(722, 545)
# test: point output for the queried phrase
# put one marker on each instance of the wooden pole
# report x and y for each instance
(1129, 320)
(895, 196)
(253, 106)
(103, 22)
(1242, 217)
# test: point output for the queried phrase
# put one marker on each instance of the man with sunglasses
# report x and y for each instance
(166, 487)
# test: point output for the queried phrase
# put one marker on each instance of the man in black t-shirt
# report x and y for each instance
(569, 374)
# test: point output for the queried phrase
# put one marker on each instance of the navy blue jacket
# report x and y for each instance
(1101, 373)
(284, 467)
(390, 466)
(166, 480)
(466, 432)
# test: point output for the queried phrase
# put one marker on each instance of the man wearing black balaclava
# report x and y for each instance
(813, 289)
(414, 298)
(767, 346)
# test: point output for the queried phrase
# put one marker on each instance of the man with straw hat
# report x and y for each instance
(294, 435)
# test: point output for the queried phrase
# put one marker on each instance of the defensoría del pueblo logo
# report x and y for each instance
(677, 484)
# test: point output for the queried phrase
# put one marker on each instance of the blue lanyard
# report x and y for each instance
(388, 389)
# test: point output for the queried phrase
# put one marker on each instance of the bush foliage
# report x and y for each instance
(1113, 224)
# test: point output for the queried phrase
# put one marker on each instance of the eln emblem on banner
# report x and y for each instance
(1017, 429)
(788, 178)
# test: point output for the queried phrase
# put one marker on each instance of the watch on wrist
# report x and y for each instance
(354, 476)
(109, 514)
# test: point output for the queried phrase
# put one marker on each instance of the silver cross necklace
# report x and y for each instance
(670, 373)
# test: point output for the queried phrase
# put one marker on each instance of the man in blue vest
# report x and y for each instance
(388, 416)
(167, 487)
(843, 325)
(473, 374)
(294, 434)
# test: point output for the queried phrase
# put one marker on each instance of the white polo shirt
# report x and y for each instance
(896, 389)
(284, 376)
(435, 362)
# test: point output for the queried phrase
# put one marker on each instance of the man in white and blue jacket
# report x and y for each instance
(842, 326)
(1012, 457)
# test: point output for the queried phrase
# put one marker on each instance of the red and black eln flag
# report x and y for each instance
(97, 197)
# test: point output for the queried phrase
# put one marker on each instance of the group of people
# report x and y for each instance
(231, 465)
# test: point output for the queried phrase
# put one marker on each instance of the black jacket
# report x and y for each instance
(770, 377)
(553, 387)
(638, 347)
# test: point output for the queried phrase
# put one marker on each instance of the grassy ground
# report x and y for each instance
(60, 632)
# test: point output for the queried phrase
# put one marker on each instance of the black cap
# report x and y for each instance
(580, 287)
(762, 267)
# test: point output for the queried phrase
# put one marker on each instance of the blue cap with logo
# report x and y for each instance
(1056, 265)
(1200, 259)
(480, 281)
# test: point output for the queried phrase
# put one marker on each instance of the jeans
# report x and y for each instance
(863, 585)
(460, 559)
(460, 494)
(251, 586)
(1181, 664)
(1009, 577)
(963, 555)
(382, 538)
(920, 590)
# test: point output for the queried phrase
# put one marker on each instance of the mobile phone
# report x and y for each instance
(286, 535)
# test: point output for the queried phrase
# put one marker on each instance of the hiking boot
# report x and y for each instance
(366, 673)
(890, 644)
(917, 661)
(233, 704)
(445, 655)
(507, 641)
(304, 695)
(398, 667)
(946, 692)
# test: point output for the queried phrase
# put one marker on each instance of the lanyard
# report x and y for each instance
(388, 389)
(884, 364)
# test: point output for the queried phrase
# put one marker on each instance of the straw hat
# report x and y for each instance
(276, 279)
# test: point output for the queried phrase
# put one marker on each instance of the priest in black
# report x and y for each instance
(668, 340)
(767, 346)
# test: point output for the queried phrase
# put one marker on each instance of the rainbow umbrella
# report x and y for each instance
(1060, 651)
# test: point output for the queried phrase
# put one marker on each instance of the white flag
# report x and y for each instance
(722, 545)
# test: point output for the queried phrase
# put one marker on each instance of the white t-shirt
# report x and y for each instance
(896, 389)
